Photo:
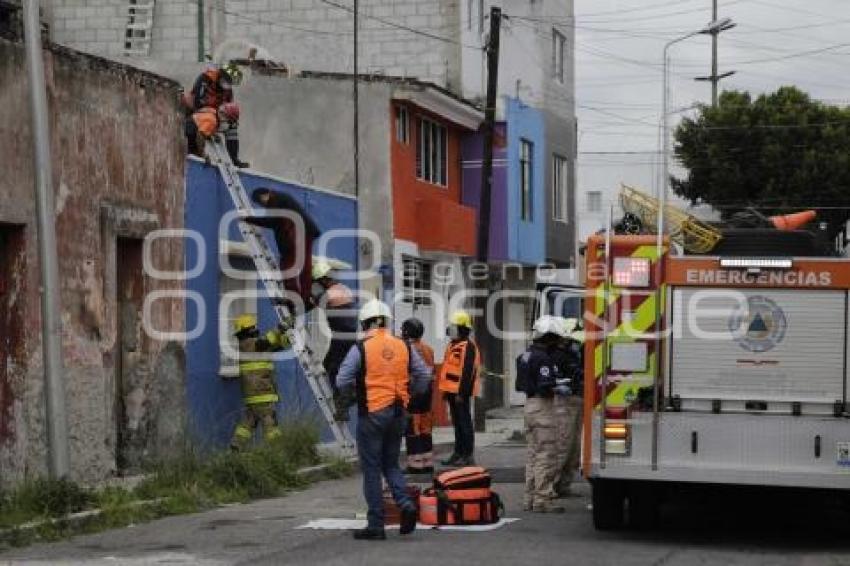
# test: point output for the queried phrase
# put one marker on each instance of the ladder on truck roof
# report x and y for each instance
(269, 272)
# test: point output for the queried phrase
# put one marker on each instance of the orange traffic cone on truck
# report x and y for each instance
(788, 222)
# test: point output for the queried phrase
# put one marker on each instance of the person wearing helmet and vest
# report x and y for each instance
(384, 373)
(418, 438)
(256, 375)
(211, 108)
(569, 405)
(539, 377)
(458, 381)
(340, 308)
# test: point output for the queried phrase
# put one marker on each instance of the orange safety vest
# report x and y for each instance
(207, 121)
(384, 372)
(451, 372)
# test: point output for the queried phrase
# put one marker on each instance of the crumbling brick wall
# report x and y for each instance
(118, 165)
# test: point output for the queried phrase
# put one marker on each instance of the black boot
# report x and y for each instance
(408, 521)
(369, 534)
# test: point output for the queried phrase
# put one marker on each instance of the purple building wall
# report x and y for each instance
(471, 162)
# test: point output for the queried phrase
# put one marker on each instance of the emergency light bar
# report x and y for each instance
(631, 272)
(756, 263)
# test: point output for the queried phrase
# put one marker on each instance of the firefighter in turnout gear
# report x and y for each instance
(418, 438)
(384, 373)
(256, 374)
(569, 402)
(538, 376)
(458, 381)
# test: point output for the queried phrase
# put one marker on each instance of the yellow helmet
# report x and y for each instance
(461, 318)
(244, 322)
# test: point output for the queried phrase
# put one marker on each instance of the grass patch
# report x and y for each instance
(188, 484)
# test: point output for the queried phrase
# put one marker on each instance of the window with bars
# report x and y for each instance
(416, 280)
(559, 46)
(402, 124)
(526, 156)
(560, 184)
(432, 152)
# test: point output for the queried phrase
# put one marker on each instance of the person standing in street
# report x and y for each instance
(383, 373)
(418, 438)
(569, 402)
(458, 381)
(538, 376)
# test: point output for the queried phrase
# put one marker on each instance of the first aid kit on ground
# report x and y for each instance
(460, 497)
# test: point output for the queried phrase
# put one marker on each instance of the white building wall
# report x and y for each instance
(306, 34)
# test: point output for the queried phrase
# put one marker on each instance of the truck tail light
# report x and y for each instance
(616, 438)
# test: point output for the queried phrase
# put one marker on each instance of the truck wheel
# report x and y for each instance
(643, 507)
(608, 504)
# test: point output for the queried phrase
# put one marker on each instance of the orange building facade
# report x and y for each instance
(426, 182)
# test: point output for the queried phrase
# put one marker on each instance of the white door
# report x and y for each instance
(516, 326)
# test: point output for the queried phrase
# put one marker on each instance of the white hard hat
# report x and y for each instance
(321, 269)
(548, 324)
(572, 329)
(375, 309)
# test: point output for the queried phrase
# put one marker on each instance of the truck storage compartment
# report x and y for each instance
(762, 350)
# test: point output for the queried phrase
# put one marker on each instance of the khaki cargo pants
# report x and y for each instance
(541, 466)
(568, 413)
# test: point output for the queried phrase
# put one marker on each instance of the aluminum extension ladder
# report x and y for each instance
(269, 272)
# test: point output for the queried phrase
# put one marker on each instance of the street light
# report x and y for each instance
(713, 27)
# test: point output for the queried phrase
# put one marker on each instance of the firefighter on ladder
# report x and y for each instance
(458, 381)
(211, 108)
(418, 438)
(259, 391)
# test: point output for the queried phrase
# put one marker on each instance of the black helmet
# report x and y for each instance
(412, 328)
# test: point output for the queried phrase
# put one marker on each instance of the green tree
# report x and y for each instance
(780, 153)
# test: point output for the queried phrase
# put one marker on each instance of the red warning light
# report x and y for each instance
(631, 272)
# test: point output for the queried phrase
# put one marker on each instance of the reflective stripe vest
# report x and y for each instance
(384, 372)
(257, 376)
(452, 370)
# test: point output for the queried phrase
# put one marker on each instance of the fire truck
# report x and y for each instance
(706, 369)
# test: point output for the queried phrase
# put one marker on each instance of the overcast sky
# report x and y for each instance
(618, 69)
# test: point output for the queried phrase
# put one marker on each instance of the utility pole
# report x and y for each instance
(715, 78)
(51, 320)
(488, 131)
(356, 107)
(491, 355)
(201, 34)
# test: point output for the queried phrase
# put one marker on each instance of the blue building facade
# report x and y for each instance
(512, 237)
(215, 402)
(526, 236)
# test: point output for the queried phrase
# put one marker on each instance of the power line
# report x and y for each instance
(404, 27)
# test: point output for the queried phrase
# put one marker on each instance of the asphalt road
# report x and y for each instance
(722, 530)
